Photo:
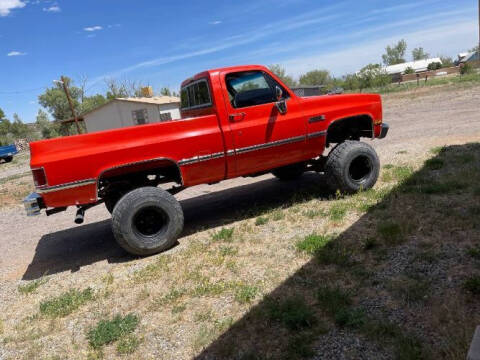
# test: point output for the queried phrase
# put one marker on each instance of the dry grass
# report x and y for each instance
(373, 264)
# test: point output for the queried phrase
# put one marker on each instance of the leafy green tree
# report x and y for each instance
(395, 54)
(409, 70)
(281, 73)
(316, 77)
(56, 102)
(351, 82)
(447, 61)
(2, 114)
(165, 91)
(419, 54)
(47, 128)
(373, 76)
(14, 130)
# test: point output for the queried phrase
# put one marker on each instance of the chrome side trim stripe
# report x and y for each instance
(69, 185)
(196, 159)
(316, 134)
(201, 158)
(269, 144)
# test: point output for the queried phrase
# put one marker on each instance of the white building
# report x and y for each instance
(418, 66)
(122, 112)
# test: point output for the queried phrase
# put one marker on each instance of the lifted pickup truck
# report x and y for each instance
(237, 121)
(7, 152)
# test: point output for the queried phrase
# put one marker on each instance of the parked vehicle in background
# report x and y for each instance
(237, 121)
(7, 152)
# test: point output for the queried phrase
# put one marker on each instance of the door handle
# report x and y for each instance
(237, 117)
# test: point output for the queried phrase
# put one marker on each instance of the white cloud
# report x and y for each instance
(16, 53)
(7, 5)
(53, 8)
(216, 22)
(93, 28)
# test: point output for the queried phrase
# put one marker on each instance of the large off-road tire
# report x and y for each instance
(147, 220)
(352, 166)
(8, 159)
(290, 172)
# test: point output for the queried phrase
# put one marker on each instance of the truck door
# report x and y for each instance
(263, 137)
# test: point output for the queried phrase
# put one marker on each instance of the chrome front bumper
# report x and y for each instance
(32, 204)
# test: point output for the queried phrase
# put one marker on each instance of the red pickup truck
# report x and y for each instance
(236, 121)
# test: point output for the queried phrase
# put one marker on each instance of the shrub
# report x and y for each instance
(434, 66)
(66, 303)
(108, 331)
(409, 70)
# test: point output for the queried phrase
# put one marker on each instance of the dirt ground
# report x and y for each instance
(33, 247)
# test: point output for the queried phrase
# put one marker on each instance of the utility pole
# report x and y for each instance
(65, 88)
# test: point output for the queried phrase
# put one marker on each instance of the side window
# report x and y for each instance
(195, 95)
(167, 116)
(140, 117)
(249, 88)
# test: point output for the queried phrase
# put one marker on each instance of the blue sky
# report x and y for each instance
(163, 42)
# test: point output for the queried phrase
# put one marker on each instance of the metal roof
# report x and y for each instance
(157, 100)
(419, 65)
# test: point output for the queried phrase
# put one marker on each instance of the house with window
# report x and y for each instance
(123, 112)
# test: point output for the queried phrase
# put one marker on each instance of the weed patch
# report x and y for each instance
(434, 164)
(293, 313)
(338, 211)
(472, 285)
(245, 293)
(261, 220)
(66, 303)
(313, 243)
(108, 331)
(128, 345)
(225, 234)
(32, 286)
(334, 253)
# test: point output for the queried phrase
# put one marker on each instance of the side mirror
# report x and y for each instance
(278, 93)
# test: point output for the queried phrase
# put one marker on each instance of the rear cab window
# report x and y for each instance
(250, 88)
(195, 95)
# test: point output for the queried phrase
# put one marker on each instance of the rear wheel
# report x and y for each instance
(147, 220)
(352, 166)
(290, 172)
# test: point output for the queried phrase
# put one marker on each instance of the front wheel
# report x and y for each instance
(147, 220)
(352, 166)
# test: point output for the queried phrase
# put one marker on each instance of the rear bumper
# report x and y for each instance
(384, 130)
(33, 204)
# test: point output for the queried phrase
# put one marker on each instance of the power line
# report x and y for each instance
(22, 91)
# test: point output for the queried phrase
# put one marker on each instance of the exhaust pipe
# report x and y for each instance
(80, 216)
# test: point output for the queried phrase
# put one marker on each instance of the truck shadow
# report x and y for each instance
(71, 249)
(430, 223)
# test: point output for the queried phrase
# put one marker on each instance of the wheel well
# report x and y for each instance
(351, 128)
(131, 176)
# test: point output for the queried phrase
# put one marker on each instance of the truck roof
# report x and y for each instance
(208, 73)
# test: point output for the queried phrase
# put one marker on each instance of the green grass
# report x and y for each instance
(278, 215)
(128, 345)
(334, 253)
(474, 252)
(208, 288)
(261, 220)
(152, 271)
(333, 299)
(338, 211)
(313, 243)
(245, 294)
(31, 286)
(108, 331)
(472, 285)
(396, 173)
(410, 290)
(438, 150)
(351, 318)
(66, 303)
(391, 232)
(228, 251)
(293, 313)
(311, 214)
(172, 296)
(434, 164)
(225, 234)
